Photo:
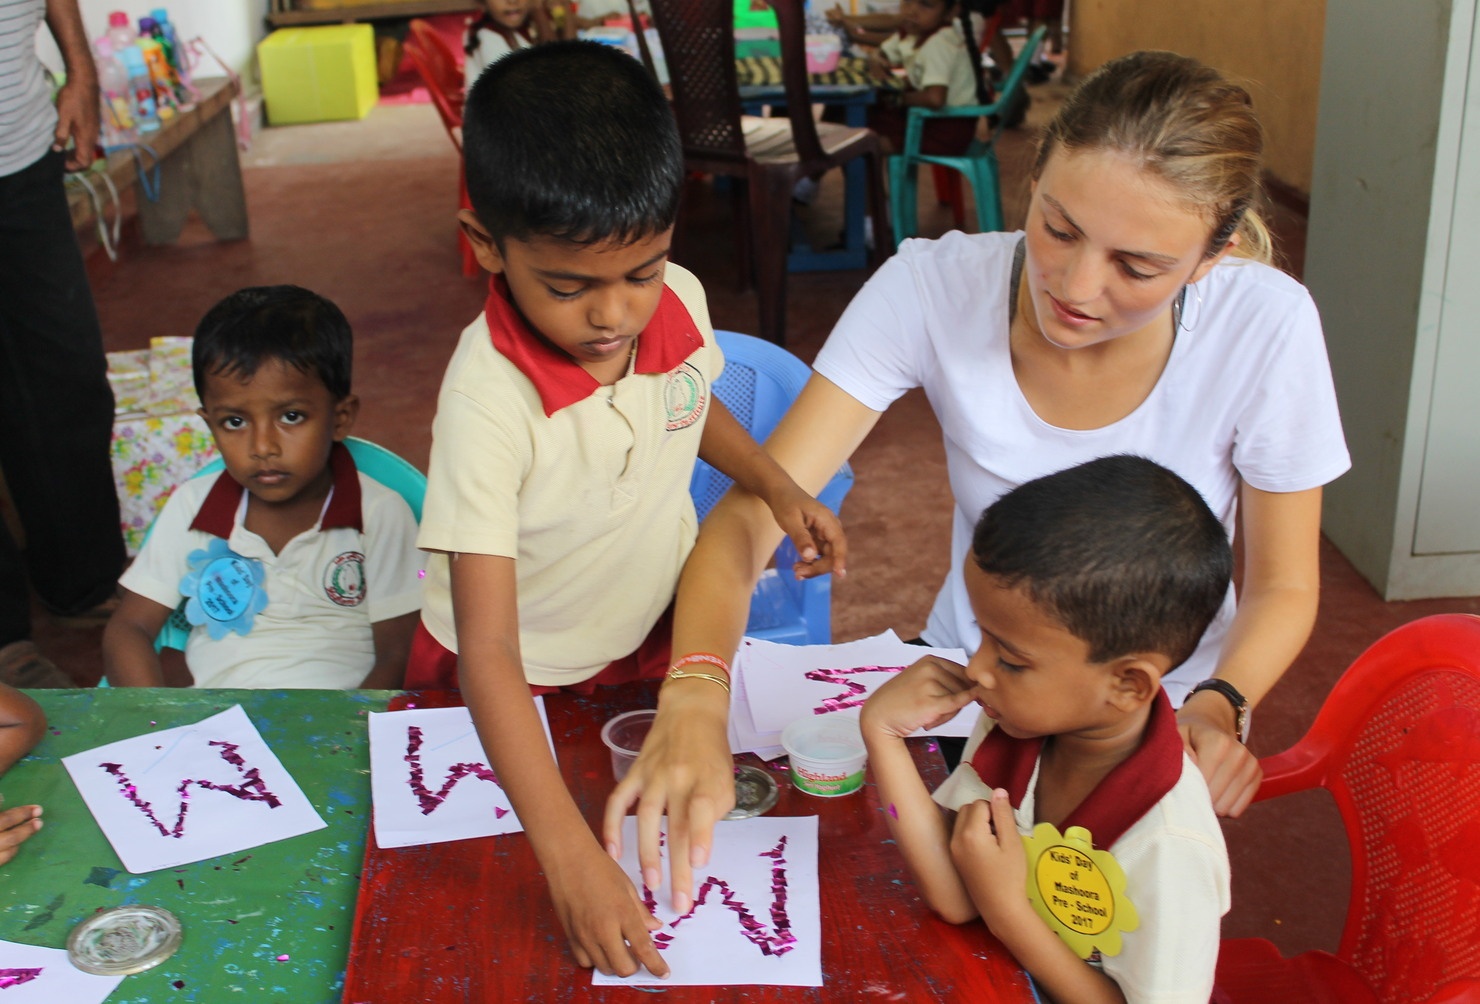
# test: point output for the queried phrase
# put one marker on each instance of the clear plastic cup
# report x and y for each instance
(623, 735)
(826, 753)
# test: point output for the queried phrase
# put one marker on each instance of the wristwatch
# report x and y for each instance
(1239, 701)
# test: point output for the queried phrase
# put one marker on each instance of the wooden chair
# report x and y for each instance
(440, 70)
(766, 155)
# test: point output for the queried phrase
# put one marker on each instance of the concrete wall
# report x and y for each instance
(1273, 47)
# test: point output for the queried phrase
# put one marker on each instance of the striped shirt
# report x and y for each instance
(27, 116)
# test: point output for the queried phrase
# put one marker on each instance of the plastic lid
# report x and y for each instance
(147, 24)
(160, 14)
(124, 940)
(755, 792)
(118, 19)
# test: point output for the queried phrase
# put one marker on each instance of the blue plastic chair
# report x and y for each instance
(759, 383)
(393, 471)
(978, 163)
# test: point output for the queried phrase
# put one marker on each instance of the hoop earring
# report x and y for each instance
(1182, 322)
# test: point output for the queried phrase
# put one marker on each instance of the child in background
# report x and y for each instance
(22, 724)
(1089, 585)
(558, 511)
(939, 71)
(503, 27)
(334, 601)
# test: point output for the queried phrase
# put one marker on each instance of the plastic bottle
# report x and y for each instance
(159, 72)
(170, 39)
(140, 88)
(118, 118)
(120, 33)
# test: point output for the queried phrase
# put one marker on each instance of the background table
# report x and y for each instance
(198, 169)
(471, 920)
(239, 912)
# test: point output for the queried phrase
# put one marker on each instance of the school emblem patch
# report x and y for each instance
(685, 397)
(344, 579)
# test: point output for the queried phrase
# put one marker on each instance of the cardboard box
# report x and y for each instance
(318, 74)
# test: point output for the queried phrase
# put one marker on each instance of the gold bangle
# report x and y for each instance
(678, 674)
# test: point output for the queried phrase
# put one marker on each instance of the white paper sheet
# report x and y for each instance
(757, 919)
(189, 793)
(31, 975)
(785, 682)
(430, 779)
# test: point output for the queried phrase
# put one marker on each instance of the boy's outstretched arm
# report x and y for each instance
(392, 638)
(129, 658)
(924, 695)
(813, 528)
(22, 725)
(992, 862)
(601, 913)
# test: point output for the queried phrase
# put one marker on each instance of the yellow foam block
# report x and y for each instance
(318, 74)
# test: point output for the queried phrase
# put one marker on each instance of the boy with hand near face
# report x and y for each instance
(1089, 585)
(558, 512)
(301, 571)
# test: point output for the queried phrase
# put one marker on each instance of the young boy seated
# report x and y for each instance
(298, 570)
(558, 509)
(22, 724)
(1089, 585)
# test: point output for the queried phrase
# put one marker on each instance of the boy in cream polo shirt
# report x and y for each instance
(557, 512)
(300, 570)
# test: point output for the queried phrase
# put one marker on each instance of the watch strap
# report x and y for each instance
(1239, 702)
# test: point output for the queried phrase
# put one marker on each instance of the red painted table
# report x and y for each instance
(471, 920)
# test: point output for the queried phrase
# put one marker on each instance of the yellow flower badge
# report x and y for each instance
(1078, 891)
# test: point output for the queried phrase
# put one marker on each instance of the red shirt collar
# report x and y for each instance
(669, 338)
(217, 515)
(1125, 795)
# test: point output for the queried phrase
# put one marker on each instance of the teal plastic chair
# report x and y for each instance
(393, 471)
(978, 164)
(759, 383)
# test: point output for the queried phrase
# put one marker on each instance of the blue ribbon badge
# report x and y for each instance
(224, 589)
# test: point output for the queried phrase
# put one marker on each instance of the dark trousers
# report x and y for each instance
(56, 409)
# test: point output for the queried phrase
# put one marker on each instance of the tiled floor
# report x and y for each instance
(362, 212)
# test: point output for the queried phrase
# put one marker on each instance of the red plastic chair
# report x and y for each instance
(439, 67)
(1397, 744)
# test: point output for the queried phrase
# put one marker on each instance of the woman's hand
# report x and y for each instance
(1231, 771)
(686, 771)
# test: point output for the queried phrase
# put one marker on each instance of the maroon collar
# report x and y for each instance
(217, 515)
(1125, 795)
(669, 338)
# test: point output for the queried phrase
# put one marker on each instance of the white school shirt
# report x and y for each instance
(942, 61)
(1246, 392)
(490, 49)
(325, 588)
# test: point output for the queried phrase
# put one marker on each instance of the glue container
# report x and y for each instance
(826, 753)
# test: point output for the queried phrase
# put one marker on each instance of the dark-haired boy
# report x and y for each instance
(558, 510)
(1089, 586)
(334, 600)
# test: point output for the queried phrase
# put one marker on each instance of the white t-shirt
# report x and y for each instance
(324, 590)
(1177, 877)
(1247, 392)
(490, 49)
(942, 61)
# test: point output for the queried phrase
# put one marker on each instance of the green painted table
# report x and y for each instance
(240, 912)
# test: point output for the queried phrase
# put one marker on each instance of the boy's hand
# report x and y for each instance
(605, 921)
(1231, 771)
(926, 694)
(835, 15)
(815, 532)
(878, 66)
(684, 771)
(989, 857)
(16, 827)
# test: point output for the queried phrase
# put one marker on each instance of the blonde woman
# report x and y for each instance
(1137, 313)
